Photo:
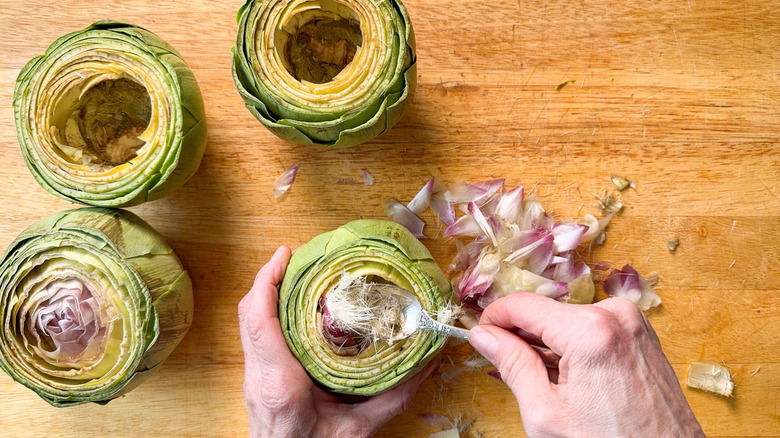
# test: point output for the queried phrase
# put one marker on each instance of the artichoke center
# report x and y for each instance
(319, 49)
(68, 321)
(356, 314)
(103, 125)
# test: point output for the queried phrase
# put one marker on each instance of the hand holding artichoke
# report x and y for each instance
(342, 361)
(280, 397)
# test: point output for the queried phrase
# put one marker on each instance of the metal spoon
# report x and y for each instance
(416, 318)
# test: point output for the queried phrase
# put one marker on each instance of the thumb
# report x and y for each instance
(520, 366)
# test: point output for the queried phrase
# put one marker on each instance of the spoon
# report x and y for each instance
(413, 318)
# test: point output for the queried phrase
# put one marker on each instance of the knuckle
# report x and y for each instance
(276, 401)
(604, 330)
(249, 391)
(628, 315)
(625, 307)
(257, 328)
(403, 404)
(536, 420)
(599, 320)
(635, 324)
(243, 307)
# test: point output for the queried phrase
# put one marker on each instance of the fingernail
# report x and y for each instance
(484, 342)
(278, 251)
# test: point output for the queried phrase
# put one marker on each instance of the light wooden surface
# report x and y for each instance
(681, 97)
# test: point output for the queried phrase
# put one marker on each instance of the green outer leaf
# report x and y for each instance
(156, 281)
(375, 246)
(185, 141)
(342, 129)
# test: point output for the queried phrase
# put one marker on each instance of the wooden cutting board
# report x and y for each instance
(681, 97)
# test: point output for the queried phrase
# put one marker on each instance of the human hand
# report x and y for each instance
(612, 378)
(281, 398)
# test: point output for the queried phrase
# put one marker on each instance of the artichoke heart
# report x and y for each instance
(330, 72)
(343, 362)
(91, 302)
(110, 116)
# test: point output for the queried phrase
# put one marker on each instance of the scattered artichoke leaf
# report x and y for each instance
(449, 433)
(672, 244)
(401, 214)
(368, 179)
(629, 284)
(710, 376)
(652, 278)
(460, 426)
(464, 424)
(438, 421)
(609, 204)
(422, 199)
(285, 180)
(621, 183)
(565, 83)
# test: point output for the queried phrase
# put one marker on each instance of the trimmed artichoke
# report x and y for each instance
(91, 302)
(330, 72)
(110, 116)
(385, 252)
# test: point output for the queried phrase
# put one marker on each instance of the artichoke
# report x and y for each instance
(386, 252)
(91, 302)
(110, 116)
(336, 73)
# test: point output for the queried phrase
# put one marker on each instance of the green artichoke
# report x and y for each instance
(386, 252)
(91, 302)
(110, 116)
(336, 73)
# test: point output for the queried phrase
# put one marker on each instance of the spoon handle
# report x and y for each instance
(550, 359)
(429, 323)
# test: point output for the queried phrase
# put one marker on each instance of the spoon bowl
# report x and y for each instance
(412, 317)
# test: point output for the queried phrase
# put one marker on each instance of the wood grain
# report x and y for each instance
(681, 97)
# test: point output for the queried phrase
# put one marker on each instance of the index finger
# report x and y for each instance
(550, 320)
